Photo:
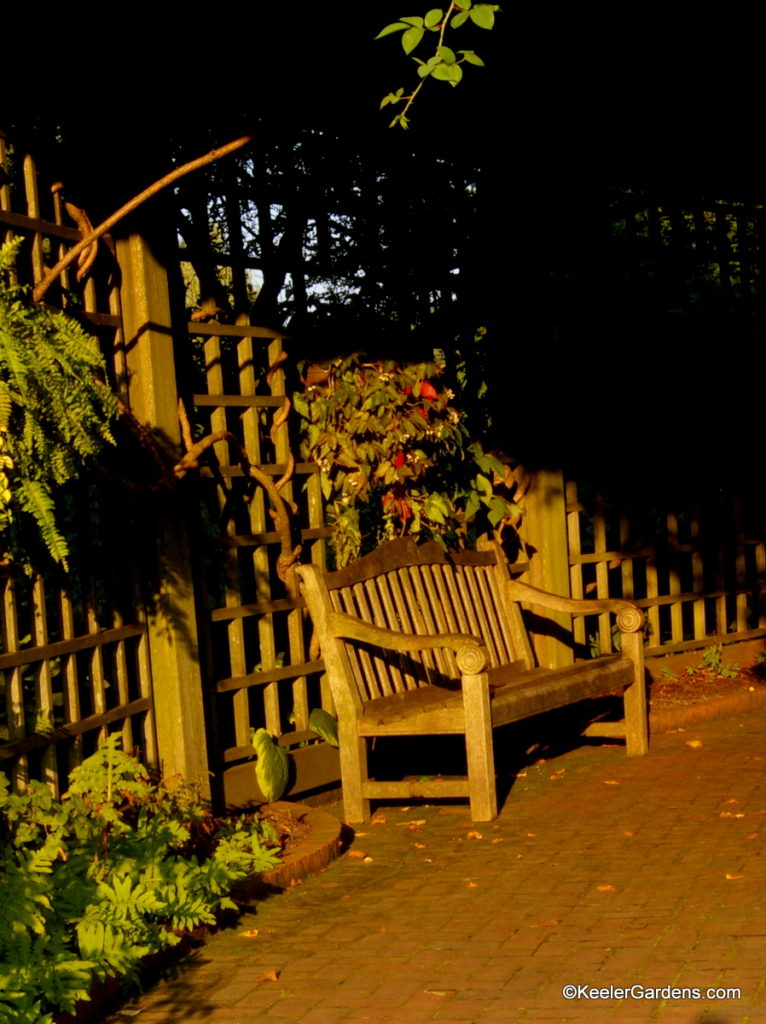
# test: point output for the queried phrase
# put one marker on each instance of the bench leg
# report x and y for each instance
(636, 716)
(479, 748)
(353, 770)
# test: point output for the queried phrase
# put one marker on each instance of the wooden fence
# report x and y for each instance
(74, 660)
(697, 572)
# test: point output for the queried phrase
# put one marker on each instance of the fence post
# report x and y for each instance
(545, 532)
(171, 615)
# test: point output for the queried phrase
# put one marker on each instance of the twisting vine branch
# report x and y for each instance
(132, 204)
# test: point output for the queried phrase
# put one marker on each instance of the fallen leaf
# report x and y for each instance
(472, 885)
(269, 976)
(753, 835)
(420, 846)
(546, 924)
(606, 888)
(626, 832)
(439, 991)
(731, 801)
(521, 775)
(250, 933)
(357, 854)
(367, 860)
(413, 824)
(612, 782)
(531, 835)
(733, 878)
(498, 840)
(379, 821)
(725, 814)
(694, 744)
(474, 835)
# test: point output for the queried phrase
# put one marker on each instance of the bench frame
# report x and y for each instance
(419, 642)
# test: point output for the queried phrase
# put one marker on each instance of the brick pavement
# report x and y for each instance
(601, 870)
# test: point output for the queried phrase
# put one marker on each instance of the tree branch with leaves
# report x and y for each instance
(445, 64)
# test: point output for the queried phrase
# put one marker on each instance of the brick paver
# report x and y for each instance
(601, 871)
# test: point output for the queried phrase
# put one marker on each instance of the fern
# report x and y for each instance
(91, 884)
(55, 412)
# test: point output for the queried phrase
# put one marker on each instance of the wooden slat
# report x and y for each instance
(235, 631)
(674, 580)
(71, 730)
(98, 680)
(60, 648)
(367, 681)
(37, 224)
(43, 683)
(442, 614)
(231, 330)
(14, 690)
(270, 676)
(71, 681)
(245, 401)
(602, 576)
(370, 608)
(402, 676)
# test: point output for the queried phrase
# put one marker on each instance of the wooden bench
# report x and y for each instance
(418, 642)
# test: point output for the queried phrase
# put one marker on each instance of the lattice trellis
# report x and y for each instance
(261, 674)
(74, 660)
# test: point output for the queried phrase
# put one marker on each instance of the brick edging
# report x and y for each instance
(664, 719)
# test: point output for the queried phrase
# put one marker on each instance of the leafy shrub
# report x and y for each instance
(113, 872)
(396, 458)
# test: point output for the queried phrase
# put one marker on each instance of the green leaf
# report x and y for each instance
(498, 509)
(272, 769)
(433, 18)
(395, 26)
(325, 725)
(416, 21)
(471, 58)
(451, 73)
(411, 38)
(483, 15)
(459, 19)
(464, 5)
(446, 54)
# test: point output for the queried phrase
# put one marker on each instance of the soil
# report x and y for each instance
(291, 828)
(703, 685)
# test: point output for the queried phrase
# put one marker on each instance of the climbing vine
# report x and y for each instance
(396, 457)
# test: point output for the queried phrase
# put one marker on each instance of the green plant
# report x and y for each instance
(445, 64)
(116, 870)
(55, 411)
(272, 769)
(396, 458)
(712, 661)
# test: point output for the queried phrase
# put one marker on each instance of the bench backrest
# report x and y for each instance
(422, 589)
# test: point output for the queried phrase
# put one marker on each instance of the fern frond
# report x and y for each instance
(37, 502)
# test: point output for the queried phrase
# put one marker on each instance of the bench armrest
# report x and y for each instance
(630, 618)
(470, 651)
